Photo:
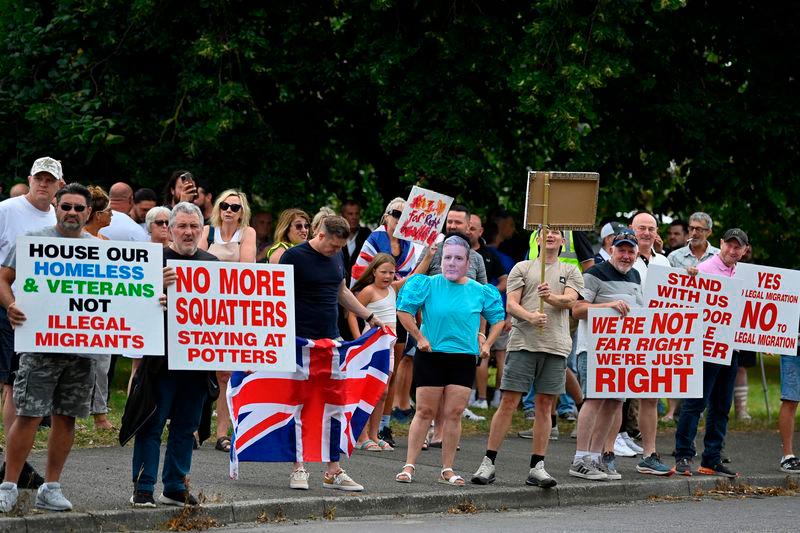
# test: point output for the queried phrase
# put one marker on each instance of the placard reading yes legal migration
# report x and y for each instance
(770, 315)
(423, 216)
(89, 296)
(718, 298)
(231, 316)
(649, 353)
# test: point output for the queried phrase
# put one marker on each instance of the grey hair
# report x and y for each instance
(702, 217)
(186, 208)
(457, 241)
(323, 212)
(151, 215)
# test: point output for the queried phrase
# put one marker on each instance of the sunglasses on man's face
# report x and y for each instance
(72, 207)
(224, 206)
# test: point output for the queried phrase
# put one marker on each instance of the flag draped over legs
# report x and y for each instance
(316, 412)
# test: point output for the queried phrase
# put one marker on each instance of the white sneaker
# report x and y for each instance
(479, 404)
(631, 443)
(341, 481)
(554, 434)
(538, 477)
(485, 473)
(469, 415)
(50, 497)
(621, 449)
(299, 479)
(496, 399)
(8, 496)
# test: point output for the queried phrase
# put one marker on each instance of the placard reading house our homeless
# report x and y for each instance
(89, 296)
(231, 316)
(649, 353)
(717, 297)
(423, 216)
(771, 310)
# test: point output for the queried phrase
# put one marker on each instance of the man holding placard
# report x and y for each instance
(718, 381)
(47, 384)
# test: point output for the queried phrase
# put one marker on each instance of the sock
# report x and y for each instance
(385, 420)
(492, 455)
(595, 456)
(554, 421)
(579, 455)
(535, 459)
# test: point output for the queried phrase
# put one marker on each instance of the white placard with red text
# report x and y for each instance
(89, 296)
(771, 311)
(717, 297)
(231, 316)
(649, 353)
(423, 216)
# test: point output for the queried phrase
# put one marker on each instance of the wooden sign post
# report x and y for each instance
(560, 200)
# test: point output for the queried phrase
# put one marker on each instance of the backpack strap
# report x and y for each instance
(210, 239)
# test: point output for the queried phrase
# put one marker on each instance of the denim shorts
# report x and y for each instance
(790, 378)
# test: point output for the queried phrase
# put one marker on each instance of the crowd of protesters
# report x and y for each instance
(472, 297)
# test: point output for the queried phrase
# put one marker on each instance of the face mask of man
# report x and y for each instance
(454, 261)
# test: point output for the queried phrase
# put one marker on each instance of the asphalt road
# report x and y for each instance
(780, 513)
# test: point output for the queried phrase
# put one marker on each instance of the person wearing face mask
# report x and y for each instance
(447, 348)
(292, 229)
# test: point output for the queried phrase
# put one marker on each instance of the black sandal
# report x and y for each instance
(223, 444)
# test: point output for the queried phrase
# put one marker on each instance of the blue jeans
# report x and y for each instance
(180, 398)
(718, 383)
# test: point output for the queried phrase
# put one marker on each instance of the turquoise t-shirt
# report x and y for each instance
(451, 311)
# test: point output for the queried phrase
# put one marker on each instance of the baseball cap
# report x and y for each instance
(738, 234)
(48, 164)
(625, 236)
(610, 229)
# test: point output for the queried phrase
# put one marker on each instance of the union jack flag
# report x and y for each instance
(379, 241)
(314, 413)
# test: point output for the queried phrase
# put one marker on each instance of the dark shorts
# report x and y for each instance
(402, 334)
(9, 359)
(747, 359)
(438, 369)
(58, 384)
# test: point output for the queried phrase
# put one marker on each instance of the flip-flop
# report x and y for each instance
(368, 445)
(385, 446)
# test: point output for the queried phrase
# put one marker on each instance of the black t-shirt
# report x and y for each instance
(494, 267)
(583, 247)
(199, 255)
(317, 279)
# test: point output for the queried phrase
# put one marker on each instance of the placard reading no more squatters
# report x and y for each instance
(717, 297)
(231, 316)
(649, 353)
(89, 296)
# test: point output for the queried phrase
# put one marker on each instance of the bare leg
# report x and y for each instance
(402, 393)
(786, 425)
(19, 442)
(223, 415)
(603, 425)
(9, 409)
(481, 378)
(135, 363)
(616, 420)
(545, 403)
(501, 420)
(573, 387)
(428, 400)
(390, 391)
(59, 444)
(455, 400)
(586, 421)
(648, 424)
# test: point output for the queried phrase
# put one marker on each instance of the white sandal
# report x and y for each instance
(406, 477)
(452, 480)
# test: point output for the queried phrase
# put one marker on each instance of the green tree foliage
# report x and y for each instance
(680, 106)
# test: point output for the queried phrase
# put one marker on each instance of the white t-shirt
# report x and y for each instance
(124, 228)
(17, 217)
(641, 266)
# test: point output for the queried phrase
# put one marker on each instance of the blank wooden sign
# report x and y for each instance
(572, 202)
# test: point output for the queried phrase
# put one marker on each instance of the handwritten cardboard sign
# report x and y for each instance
(89, 296)
(423, 216)
(231, 316)
(771, 311)
(717, 297)
(649, 353)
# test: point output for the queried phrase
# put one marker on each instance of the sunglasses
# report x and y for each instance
(224, 206)
(161, 222)
(625, 236)
(300, 226)
(186, 176)
(395, 213)
(72, 207)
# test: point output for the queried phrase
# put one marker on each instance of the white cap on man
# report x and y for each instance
(49, 165)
